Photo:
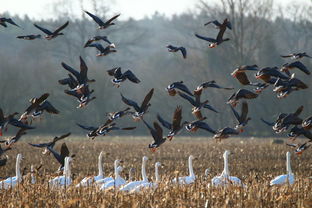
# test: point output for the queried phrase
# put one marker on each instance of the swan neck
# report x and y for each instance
(288, 167)
(116, 167)
(226, 166)
(18, 169)
(190, 164)
(157, 174)
(144, 177)
(65, 166)
(100, 165)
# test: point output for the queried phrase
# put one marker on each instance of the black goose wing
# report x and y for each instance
(39, 100)
(97, 46)
(19, 124)
(177, 117)
(267, 122)
(117, 73)
(83, 71)
(183, 51)
(182, 87)
(298, 111)
(47, 106)
(64, 151)
(163, 122)
(159, 132)
(72, 70)
(130, 103)
(55, 139)
(89, 128)
(244, 112)
(129, 75)
(88, 42)
(287, 56)
(111, 72)
(111, 19)
(205, 126)
(73, 93)
(61, 28)
(242, 78)
(300, 66)
(213, 84)
(95, 18)
(56, 155)
(145, 104)
(152, 131)
(215, 22)
(1, 116)
(9, 20)
(38, 145)
(206, 38)
(236, 114)
(46, 31)
(188, 98)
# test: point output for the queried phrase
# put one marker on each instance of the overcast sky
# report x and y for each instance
(41, 9)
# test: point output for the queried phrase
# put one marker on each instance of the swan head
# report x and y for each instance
(144, 159)
(226, 153)
(191, 157)
(19, 157)
(157, 165)
(288, 154)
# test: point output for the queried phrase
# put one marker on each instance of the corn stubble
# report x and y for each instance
(255, 161)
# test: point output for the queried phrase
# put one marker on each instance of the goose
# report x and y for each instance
(270, 74)
(89, 180)
(225, 179)
(83, 95)
(97, 38)
(139, 110)
(300, 148)
(116, 182)
(218, 24)
(296, 55)
(225, 133)
(288, 178)
(298, 131)
(172, 48)
(103, 51)
(13, 181)
(16, 138)
(241, 118)
(29, 37)
(157, 134)
(196, 103)
(107, 179)
(49, 34)
(307, 123)
(50, 144)
(112, 116)
(176, 126)
(65, 179)
(191, 177)
(102, 25)
(133, 184)
(285, 120)
(241, 94)
(150, 184)
(60, 157)
(297, 64)
(219, 39)
(240, 73)
(4, 20)
(120, 77)
(193, 126)
(173, 87)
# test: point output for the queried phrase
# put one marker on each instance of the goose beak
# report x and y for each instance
(299, 153)
(169, 137)
(153, 149)
(1, 132)
(241, 130)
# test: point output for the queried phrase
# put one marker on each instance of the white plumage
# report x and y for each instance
(191, 177)
(115, 183)
(288, 178)
(65, 179)
(13, 181)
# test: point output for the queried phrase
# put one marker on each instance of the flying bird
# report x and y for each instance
(218, 24)
(297, 64)
(103, 25)
(50, 35)
(241, 118)
(29, 37)
(98, 38)
(120, 77)
(172, 48)
(241, 94)
(4, 20)
(296, 55)
(103, 51)
(172, 88)
(157, 134)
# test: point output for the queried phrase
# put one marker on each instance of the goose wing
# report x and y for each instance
(95, 18)
(71, 70)
(205, 126)
(46, 31)
(163, 122)
(61, 28)
(188, 98)
(83, 71)
(177, 117)
(111, 19)
(89, 128)
(206, 38)
(130, 103)
(129, 75)
(55, 139)
(145, 104)
(47, 106)
(183, 51)
(300, 66)
(182, 87)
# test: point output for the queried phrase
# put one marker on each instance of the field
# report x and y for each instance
(254, 161)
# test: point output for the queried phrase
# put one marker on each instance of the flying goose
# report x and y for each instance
(120, 77)
(172, 88)
(103, 51)
(29, 37)
(172, 48)
(4, 20)
(103, 25)
(50, 35)
(157, 134)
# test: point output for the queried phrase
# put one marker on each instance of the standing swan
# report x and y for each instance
(105, 180)
(87, 181)
(187, 179)
(225, 179)
(13, 181)
(130, 186)
(65, 179)
(289, 178)
(150, 184)
(116, 183)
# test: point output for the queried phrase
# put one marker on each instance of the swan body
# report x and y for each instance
(13, 181)
(133, 184)
(150, 184)
(100, 182)
(116, 183)
(225, 179)
(87, 181)
(288, 178)
(65, 179)
(191, 177)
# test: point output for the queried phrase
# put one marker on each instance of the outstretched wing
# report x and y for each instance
(237, 116)
(71, 70)
(183, 51)
(46, 105)
(300, 66)
(83, 71)
(188, 98)
(163, 122)
(205, 126)
(130, 103)
(95, 18)
(89, 128)
(182, 87)
(177, 117)
(267, 122)
(146, 100)
(61, 28)
(159, 131)
(111, 19)
(55, 139)
(206, 38)
(244, 112)
(129, 75)
(46, 31)
(298, 111)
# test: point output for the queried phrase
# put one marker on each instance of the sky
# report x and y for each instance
(137, 9)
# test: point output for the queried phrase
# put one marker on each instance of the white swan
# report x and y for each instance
(131, 185)
(106, 179)
(116, 183)
(87, 181)
(65, 179)
(289, 178)
(150, 184)
(225, 179)
(187, 179)
(32, 175)
(13, 181)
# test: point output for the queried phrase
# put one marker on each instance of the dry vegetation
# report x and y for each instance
(255, 161)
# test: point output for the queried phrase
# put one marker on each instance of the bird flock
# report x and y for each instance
(78, 85)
